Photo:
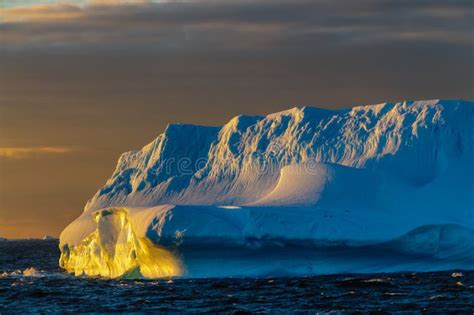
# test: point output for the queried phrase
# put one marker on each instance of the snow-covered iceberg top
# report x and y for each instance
(387, 178)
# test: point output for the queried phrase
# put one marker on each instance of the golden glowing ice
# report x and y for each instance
(113, 250)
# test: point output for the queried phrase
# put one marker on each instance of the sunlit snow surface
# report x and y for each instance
(386, 187)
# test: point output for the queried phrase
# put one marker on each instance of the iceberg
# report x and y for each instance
(376, 188)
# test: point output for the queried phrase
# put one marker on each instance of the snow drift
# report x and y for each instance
(374, 188)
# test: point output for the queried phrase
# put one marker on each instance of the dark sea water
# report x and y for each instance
(30, 281)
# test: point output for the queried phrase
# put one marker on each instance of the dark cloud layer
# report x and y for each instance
(247, 26)
(108, 78)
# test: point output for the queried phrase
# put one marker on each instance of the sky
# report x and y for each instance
(83, 81)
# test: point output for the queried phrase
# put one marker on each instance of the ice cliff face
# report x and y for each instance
(385, 187)
(188, 164)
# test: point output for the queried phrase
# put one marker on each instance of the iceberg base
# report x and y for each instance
(137, 243)
(113, 250)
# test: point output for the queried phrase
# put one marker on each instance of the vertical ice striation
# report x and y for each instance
(113, 250)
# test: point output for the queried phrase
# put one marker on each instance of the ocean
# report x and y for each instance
(31, 282)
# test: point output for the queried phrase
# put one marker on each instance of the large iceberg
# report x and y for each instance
(377, 188)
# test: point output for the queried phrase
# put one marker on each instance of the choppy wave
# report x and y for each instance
(28, 272)
(22, 291)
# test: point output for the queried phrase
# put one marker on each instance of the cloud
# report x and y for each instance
(115, 2)
(29, 152)
(277, 51)
(207, 25)
(41, 12)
